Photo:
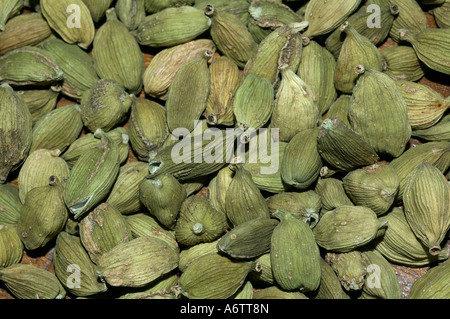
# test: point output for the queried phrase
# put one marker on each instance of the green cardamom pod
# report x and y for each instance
(225, 79)
(294, 254)
(26, 281)
(441, 16)
(163, 288)
(231, 36)
(325, 16)
(29, 66)
(93, 176)
(102, 229)
(347, 227)
(16, 127)
(76, 28)
(40, 101)
(131, 13)
(11, 251)
(214, 276)
(244, 200)
(237, 7)
(332, 193)
(37, 226)
(38, 167)
(342, 147)
(74, 269)
(199, 222)
(24, 30)
(400, 245)
(172, 26)
(97, 8)
(190, 253)
(147, 127)
(356, 50)
(144, 224)
(105, 105)
(339, 108)
(273, 292)
(264, 276)
(402, 63)
(330, 287)
(432, 285)
(164, 65)
(58, 129)
(137, 262)
(321, 80)
(410, 16)
(350, 267)
(271, 14)
(113, 42)
(438, 132)
(373, 186)
(76, 64)
(152, 6)
(124, 195)
(249, 239)
(163, 197)
(426, 201)
(217, 188)
(10, 204)
(295, 107)
(8, 10)
(379, 113)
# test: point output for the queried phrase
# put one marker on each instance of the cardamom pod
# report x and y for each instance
(441, 16)
(350, 267)
(402, 63)
(237, 7)
(339, 108)
(410, 16)
(152, 6)
(8, 10)
(190, 253)
(438, 132)
(10, 204)
(330, 287)
(432, 285)
(131, 13)
(11, 251)
(273, 292)
(97, 8)
(39, 101)
(217, 188)
(332, 194)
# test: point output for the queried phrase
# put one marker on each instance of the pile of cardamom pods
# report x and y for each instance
(147, 184)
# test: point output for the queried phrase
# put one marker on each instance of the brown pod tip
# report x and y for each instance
(305, 41)
(212, 119)
(209, 10)
(343, 26)
(360, 69)
(394, 9)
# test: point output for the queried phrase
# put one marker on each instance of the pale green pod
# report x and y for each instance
(410, 16)
(10, 204)
(330, 287)
(350, 268)
(11, 251)
(332, 193)
(339, 108)
(40, 101)
(131, 13)
(97, 8)
(401, 63)
(8, 10)
(432, 285)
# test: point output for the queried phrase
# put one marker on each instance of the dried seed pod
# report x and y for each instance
(324, 16)
(410, 16)
(97, 8)
(438, 132)
(264, 276)
(347, 227)
(10, 204)
(294, 254)
(373, 186)
(244, 200)
(137, 262)
(172, 26)
(147, 127)
(124, 194)
(330, 287)
(244, 292)
(295, 107)
(69, 258)
(435, 153)
(77, 65)
(301, 161)
(88, 141)
(144, 224)
(105, 105)
(401, 63)
(16, 127)
(427, 210)
(199, 222)
(399, 245)
(217, 188)
(8, 10)
(163, 288)
(102, 229)
(379, 113)
(249, 239)
(11, 251)
(231, 36)
(373, 27)
(188, 93)
(282, 46)
(24, 30)
(152, 6)
(31, 282)
(189, 253)
(356, 50)
(131, 13)
(39, 101)
(350, 267)
(36, 226)
(214, 276)
(29, 66)
(78, 29)
(92, 176)
(237, 7)
(317, 58)
(342, 147)
(163, 197)
(273, 292)
(381, 278)
(339, 108)
(58, 129)
(425, 106)
(164, 65)
(433, 284)
(441, 15)
(225, 80)
(114, 43)
(37, 169)
(332, 193)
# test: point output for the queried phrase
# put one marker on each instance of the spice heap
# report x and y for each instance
(263, 152)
